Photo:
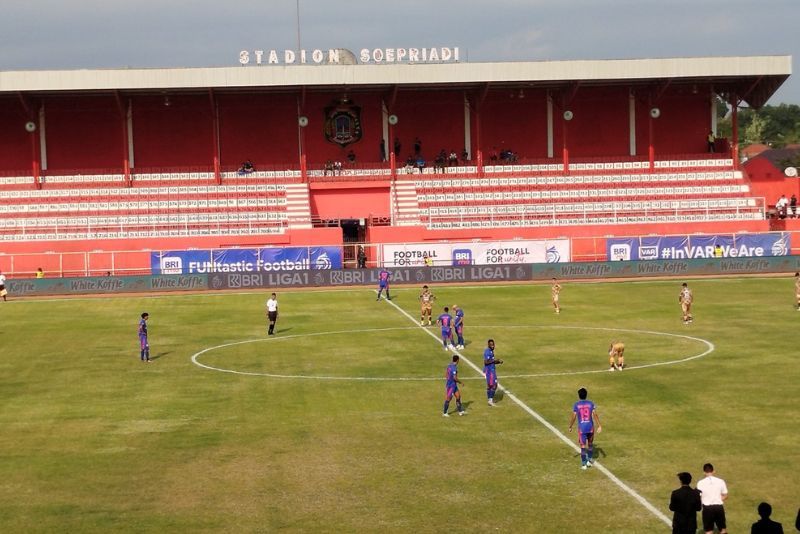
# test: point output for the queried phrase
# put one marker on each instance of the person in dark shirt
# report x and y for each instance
(685, 503)
(765, 525)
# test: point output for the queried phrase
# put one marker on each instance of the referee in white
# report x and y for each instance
(713, 494)
(272, 313)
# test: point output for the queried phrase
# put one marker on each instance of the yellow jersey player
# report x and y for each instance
(556, 289)
(426, 299)
(685, 297)
(797, 289)
(616, 350)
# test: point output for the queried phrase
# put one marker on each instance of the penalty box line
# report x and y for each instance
(530, 411)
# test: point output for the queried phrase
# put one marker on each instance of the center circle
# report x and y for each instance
(195, 358)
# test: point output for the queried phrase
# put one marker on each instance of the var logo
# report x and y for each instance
(171, 265)
(462, 256)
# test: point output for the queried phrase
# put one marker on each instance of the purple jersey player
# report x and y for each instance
(584, 412)
(458, 325)
(446, 322)
(451, 387)
(144, 345)
(383, 283)
(489, 361)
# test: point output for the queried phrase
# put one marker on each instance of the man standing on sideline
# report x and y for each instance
(685, 297)
(458, 325)
(556, 289)
(272, 313)
(144, 344)
(685, 502)
(489, 361)
(361, 258)
(426, 299)
(714, 492)
(765, 525)
(451, 388)
(584, 411)
(3, 291)
(383, 283)
(446, 322)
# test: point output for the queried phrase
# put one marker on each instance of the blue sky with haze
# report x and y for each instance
(59, 34)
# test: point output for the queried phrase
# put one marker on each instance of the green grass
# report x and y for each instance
(93, 440)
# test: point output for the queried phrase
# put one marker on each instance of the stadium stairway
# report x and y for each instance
(298, 206)
(406, 203)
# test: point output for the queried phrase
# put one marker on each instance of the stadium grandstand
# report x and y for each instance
(346, 154)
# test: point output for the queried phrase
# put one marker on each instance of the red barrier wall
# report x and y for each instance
(15, 142)
(176, 135)
(509, 122)
(83, 132)
(358, 200)
(258, 127)
(682, 127)
(600, 125)
(436, 117)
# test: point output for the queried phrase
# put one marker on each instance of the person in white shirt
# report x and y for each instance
(713, 494)
(3, 291)
(272, 313)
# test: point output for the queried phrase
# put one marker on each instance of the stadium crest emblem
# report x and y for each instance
(343, 123)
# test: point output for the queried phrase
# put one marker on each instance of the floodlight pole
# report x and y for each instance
(297, 11)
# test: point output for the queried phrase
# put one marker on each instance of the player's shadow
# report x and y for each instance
(599, 453)
(466, 404)
(160, 355)
(498, 396)
(282, 330)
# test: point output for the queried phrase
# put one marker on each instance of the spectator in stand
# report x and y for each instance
(337, 167)
(420, 163)
(417, 146)
(397, 147)
(464, 156)
(710, 141)
(781, 206)
(351, 157)
(765, 525)
(410, 165)
(328, 168)
(383, 150)
(793, 206)
(39, 273)
(493, 156)
(247, 167)
(439, 162)
(452, 161)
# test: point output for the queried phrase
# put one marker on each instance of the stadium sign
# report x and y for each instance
(333, 56)
(698, 246)
(485, 253)
(245, 260)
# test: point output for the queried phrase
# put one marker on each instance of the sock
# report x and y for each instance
(461, 340)
(141, 354)
(489, 394)
(446, 406)
(590, 453)
(458, 405)
(583, 455)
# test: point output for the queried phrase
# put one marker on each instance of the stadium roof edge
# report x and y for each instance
(762, 75)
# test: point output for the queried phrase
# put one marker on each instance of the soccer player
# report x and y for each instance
(272, 313)
(383, 283)
(458, 325)
(451, 388)
(585, 413)
(796, 288)
(489, 361)
(617, 349)
(713, 493)
(685, 297)
(556, 289)
(3, 291)
(426, 299)
(446, 322)
(144, 345)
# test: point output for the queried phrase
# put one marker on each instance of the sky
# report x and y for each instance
(87, 34)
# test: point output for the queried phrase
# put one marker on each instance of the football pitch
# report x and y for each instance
(335, 424)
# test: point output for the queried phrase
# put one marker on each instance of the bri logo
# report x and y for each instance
(462, 256)
(171, 265)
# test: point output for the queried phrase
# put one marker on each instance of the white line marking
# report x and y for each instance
(627, 489)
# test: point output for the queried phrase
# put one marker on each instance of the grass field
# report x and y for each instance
(93, 440)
